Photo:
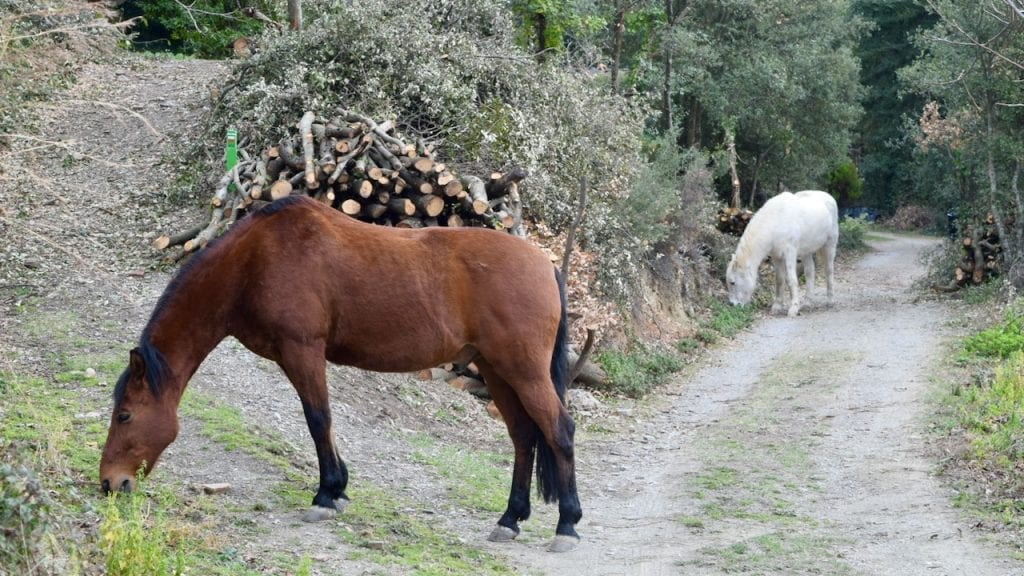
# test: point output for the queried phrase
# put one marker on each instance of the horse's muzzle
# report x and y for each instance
(125, 486)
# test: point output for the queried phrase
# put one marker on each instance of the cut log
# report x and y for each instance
(429, 205)
(164, 241)
(280, 189)
(499, 183)
(351, 207)
(401, 206)
(587, 373)
(308, 148)
(415, 182)
(475, 202)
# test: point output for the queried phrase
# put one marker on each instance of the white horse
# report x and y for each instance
(789, 226)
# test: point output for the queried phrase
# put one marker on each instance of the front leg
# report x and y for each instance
(778, 304)
(794, 286)
(330, 497)
(306, 368)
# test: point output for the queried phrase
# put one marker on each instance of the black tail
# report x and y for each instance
(547, 470)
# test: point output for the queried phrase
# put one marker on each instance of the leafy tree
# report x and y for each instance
(970, 63)
(844, 183)
(781, 73)
(884, 156)
(203, 28)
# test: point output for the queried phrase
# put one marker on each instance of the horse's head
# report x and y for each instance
(143, 423)
(741, 281)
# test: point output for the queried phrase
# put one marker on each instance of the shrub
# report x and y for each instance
(24, 518)
(844, 183)
(851, 234)
(487, 101)
(913, 218)
(999, 341)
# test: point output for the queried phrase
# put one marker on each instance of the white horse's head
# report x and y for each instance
(742, 280)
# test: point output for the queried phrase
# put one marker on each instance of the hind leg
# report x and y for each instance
(550, 428)
(524, 435)
(809, 274)
(306, 369)
(829, 256)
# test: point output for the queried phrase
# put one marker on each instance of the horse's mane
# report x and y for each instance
(747, 246)
(157, 370)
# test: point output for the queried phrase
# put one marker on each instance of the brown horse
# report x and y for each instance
(293, 282)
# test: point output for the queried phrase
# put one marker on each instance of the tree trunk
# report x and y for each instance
(618, 29)
(295, 14)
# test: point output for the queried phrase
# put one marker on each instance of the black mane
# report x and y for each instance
(157, 371)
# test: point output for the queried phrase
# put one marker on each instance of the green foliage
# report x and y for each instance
(1000, 341)
(886, 159)
(25, 518)
(138, 540)
(844, 183)
(991, 414)
(203, 28)
(728, 320)
(969, 142)
(638, 372)
(782, 74)
(487, 102)
(852, 232)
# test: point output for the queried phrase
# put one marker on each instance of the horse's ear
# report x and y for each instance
(136, 364)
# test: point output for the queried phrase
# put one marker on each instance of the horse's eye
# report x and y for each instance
(124, 417)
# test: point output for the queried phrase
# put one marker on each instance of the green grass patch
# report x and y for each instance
(758, 466)
(138, 539)
(639, 371)
(227, 426)
(777, 552)
(728, 320)
(477, 480)
(375, 523)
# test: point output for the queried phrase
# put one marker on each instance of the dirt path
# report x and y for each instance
(797, 449)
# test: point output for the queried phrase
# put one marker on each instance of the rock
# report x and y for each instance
(216, 488)
(583, 401)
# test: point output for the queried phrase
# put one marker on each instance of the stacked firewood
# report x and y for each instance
(733, 220)
(364, 169)
(980, 259)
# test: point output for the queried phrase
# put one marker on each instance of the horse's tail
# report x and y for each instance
(547, 470)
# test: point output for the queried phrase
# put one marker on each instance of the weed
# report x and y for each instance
(138, 540)
(24, 516)
(727, 320)
(637, 373)
(999, 341)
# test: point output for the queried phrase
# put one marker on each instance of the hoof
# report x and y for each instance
(502, 534)
(563, 543)
(341, 504)
(318, 513)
